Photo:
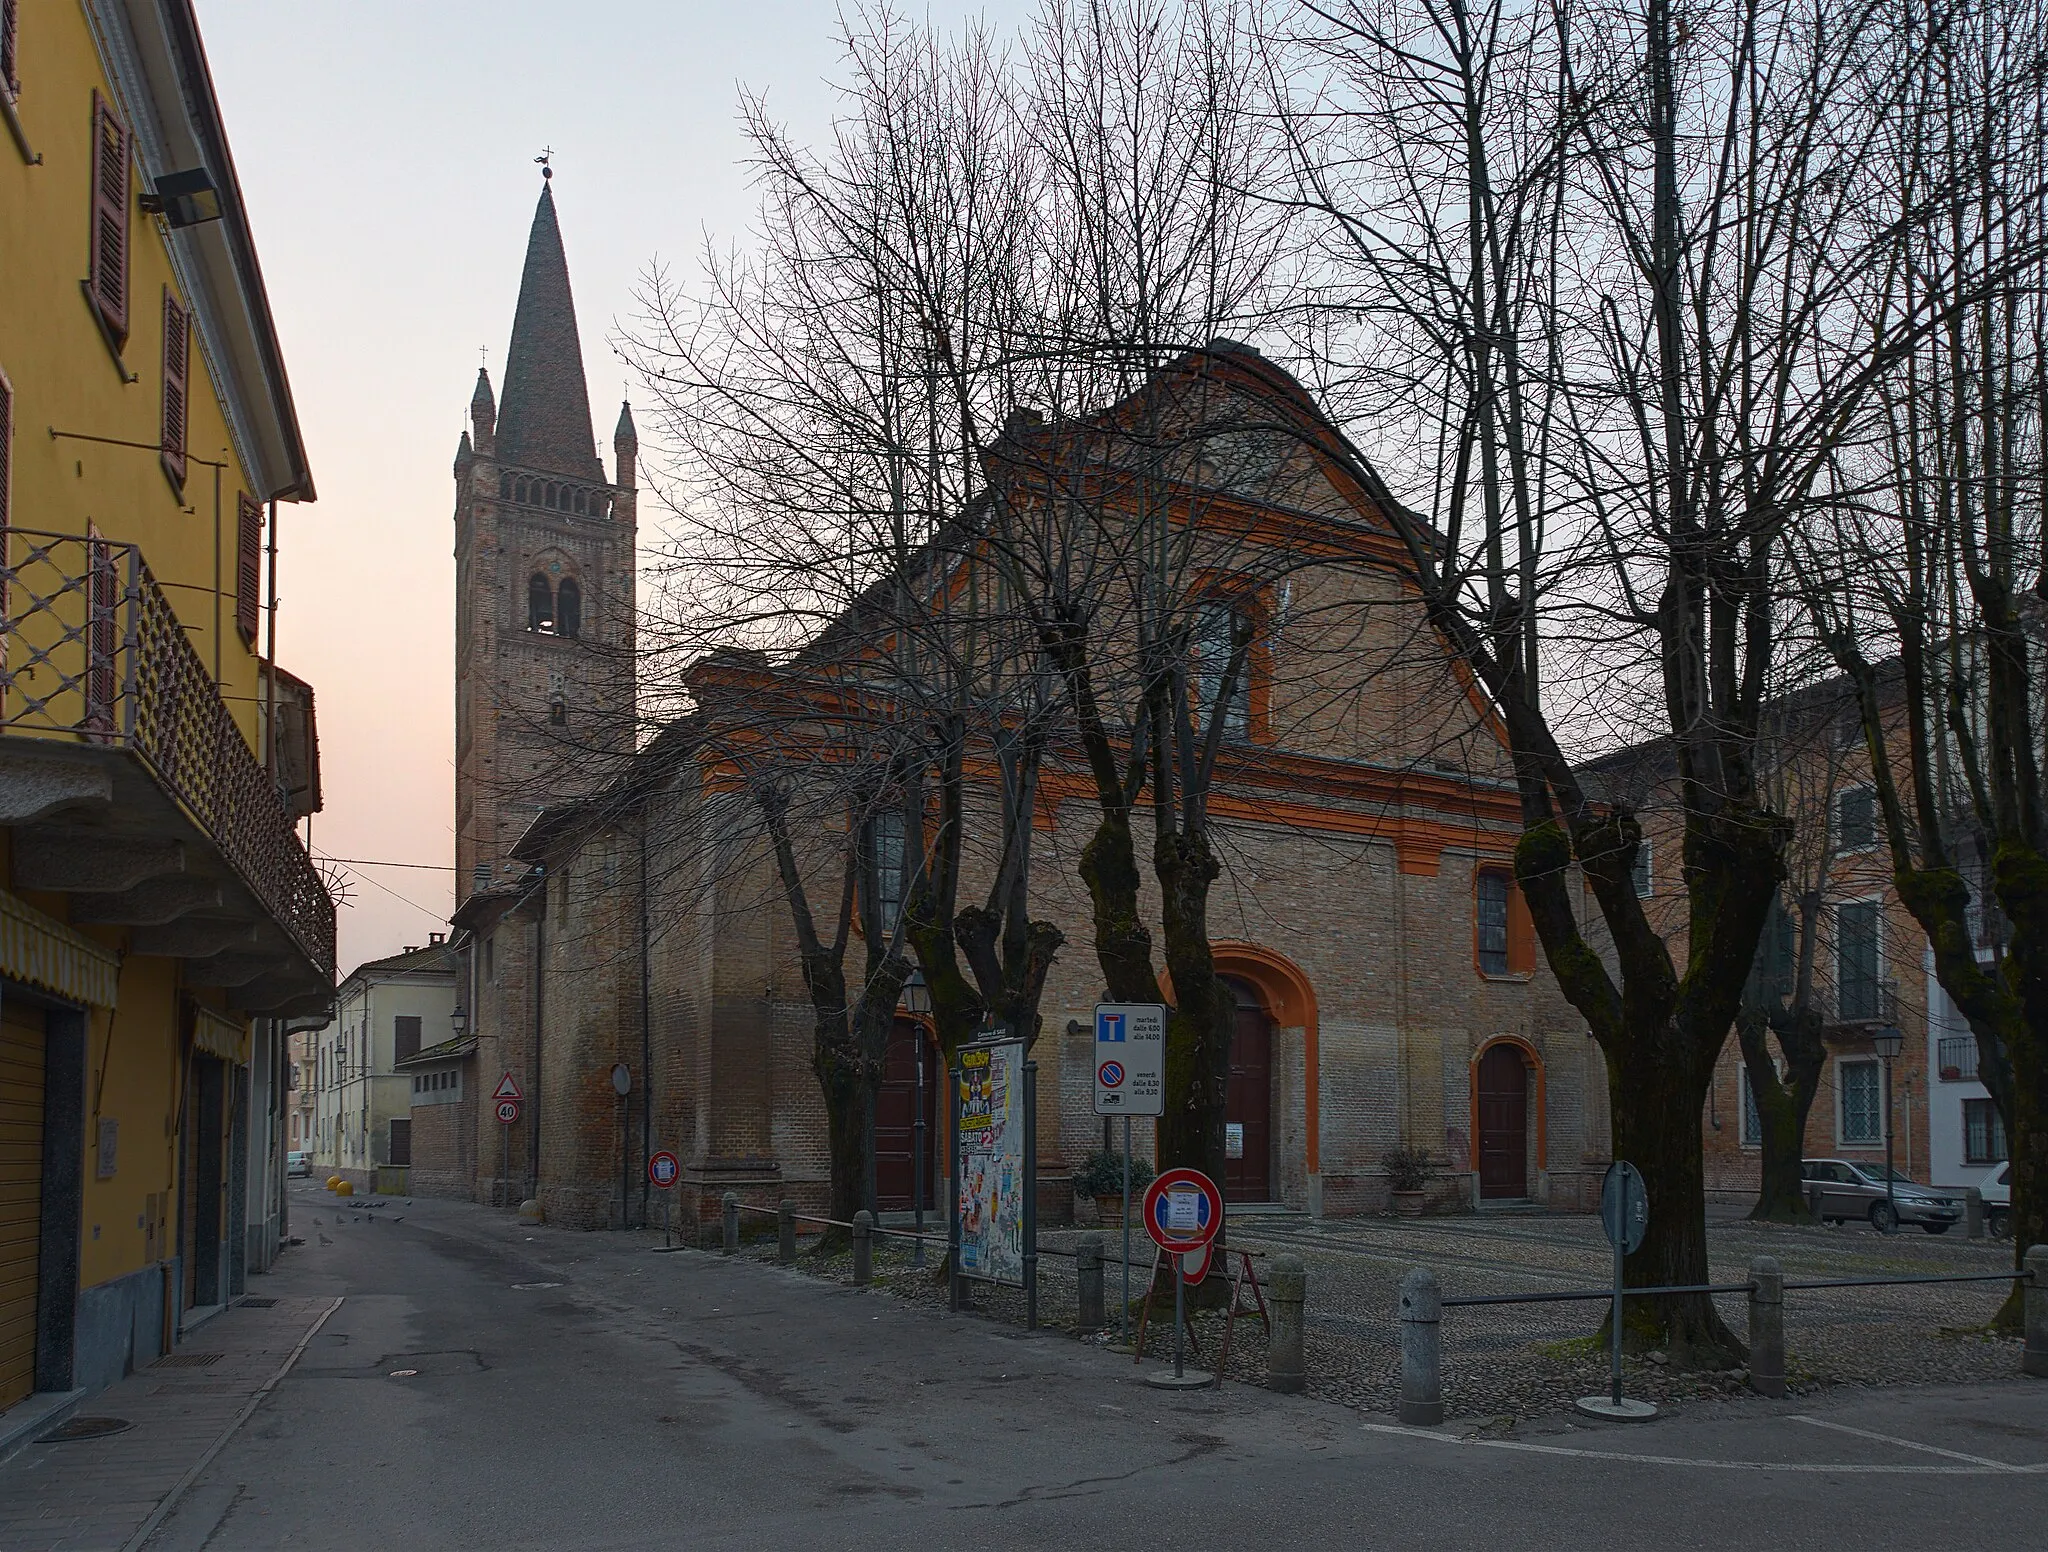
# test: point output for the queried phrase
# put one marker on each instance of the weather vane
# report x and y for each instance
(546, 171)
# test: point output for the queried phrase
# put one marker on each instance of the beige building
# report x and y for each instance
(385, 1013)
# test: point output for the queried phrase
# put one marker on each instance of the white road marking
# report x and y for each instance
(1907, 1444)
(1853, 1468)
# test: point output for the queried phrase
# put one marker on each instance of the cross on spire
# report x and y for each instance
(546, 169)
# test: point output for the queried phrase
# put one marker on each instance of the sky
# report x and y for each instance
(386, 154)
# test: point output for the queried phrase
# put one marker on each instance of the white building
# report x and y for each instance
(1965, 1137)
(386, 1012)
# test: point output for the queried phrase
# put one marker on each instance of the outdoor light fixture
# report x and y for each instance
(917, 997)
(1888, 1042)
(459, 1021)
(184, 198)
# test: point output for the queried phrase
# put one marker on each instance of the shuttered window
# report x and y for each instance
(6, 481)
(400, 1145)
(107, 276)
(177, 360)
(248, 566)
(1857, 963)
(405, 1036)
(10, 62)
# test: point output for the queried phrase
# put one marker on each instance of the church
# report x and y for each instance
(630, 998)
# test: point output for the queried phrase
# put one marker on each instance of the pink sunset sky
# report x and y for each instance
(386, 150)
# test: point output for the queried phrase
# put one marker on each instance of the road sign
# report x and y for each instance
(1130, 1058)
(1194, 1264)
(1624, 1207)
(662, 1169)
(508, 1088)
(1183, 1210)
(508, 1110)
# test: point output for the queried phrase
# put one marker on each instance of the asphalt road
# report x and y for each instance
(577, 1392)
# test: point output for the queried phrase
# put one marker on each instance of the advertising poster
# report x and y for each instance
(990, 1112)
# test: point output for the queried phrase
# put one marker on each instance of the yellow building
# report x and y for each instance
(159, 919)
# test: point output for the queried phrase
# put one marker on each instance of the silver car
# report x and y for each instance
(1838, 1191)
(1997, 1189)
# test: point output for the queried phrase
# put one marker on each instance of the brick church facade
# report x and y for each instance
(1389, 989)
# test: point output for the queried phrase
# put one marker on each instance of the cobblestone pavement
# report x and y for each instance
(1534, 1359)
(90, 1494)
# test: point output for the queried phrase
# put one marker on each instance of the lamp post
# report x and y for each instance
(917, 1001)
(1888, 1041)
(459, 1021)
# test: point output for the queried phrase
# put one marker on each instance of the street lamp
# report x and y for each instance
(459, 1021)
(1888, 1042)
(917, 1000)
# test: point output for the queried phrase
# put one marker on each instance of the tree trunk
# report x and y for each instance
(1656, 1100)
(1199, 1028)
(2022, 884)
(1123, 944)
(1782, 1107)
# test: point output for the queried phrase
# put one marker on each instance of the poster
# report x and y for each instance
(989, 1111)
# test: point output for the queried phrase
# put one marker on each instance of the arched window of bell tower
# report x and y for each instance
(540, 604)
(568, 608)
(519, 492)
(504, 487)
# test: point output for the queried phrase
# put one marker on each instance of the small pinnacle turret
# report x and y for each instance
(465, 455)
(626, 446)
(483, 411)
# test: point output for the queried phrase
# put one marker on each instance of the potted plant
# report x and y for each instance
(1408, 1171)
(1101, 1176)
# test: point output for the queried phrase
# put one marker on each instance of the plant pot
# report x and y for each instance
(1110, 1209)
(1408, 1204)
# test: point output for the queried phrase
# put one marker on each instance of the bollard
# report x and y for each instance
(732, 1222)
(1766, 1326)
(1088, 1270)
(1286, 1370)
(2034, 1360)
(1973, 1214)
(1422, 1366)
(785, 1232)
(863, 1248)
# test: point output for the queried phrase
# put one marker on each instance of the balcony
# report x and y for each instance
(1955, 1057)
(131, 788)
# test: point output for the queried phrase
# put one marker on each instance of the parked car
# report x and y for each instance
(1997, 1191)
(1837, 1191)
(297, 1163)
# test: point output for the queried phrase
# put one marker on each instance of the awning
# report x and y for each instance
(43, 952)
(218, 1035)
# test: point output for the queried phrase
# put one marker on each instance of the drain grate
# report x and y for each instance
(85, 1428)
(255, 1304)
(188, 1360)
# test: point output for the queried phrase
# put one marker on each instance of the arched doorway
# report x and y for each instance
(1248, 1101)
(1501, 1087)
(896, 1110)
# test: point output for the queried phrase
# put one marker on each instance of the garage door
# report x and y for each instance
(21, 1193)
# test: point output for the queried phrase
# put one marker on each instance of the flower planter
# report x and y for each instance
(1407, 1204)
(1111, 1210)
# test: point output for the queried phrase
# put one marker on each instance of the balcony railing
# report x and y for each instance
(1956, 1058)
(92, 652)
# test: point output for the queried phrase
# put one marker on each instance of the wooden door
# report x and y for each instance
(21, 1194)
(1248, 1108)
(896, 1117)
(1503, 1123)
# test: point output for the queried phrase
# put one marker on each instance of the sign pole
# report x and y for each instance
(1624, 1219)
(953, 1184)
(505, 1167)
(1125, 1319)
(918, 1162)
(665, 1241)
(1031, 1196)
(1180, 1283)
(1614, 1356)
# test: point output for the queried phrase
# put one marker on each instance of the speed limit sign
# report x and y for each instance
(508, 1110)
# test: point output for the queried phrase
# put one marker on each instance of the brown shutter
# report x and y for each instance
(405, 1037)
(177, 360)
(108, 275)
(10, 62)
(248, 566)
(6, 483)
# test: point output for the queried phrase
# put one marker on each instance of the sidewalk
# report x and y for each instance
(109, 1493)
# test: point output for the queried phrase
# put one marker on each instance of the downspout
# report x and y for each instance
(540, 948)
(646, 1031)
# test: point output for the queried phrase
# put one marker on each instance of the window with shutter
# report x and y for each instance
(107, 275)
(6, 470)
(248, 566)
(1857, 962)
(177, 357)
(405, 1035)
(10, 63)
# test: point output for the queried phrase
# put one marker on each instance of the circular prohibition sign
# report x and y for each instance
(663, 1168)
(508, 1111)
(1183, 1210)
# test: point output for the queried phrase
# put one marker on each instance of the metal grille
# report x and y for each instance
(255, 1303)
(94, 651)
(188, 1360)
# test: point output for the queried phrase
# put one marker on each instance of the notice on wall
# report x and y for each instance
(989, 1112)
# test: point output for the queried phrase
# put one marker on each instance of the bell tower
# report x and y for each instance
(544, 579)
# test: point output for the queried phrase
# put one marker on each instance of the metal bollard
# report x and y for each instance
(1286, 1369)
(785, 1232)
(1422, 1362)
(2034, 1360)
(1088, 1270)
(731, 1208)
(863, 1248)
(1766, 1326)
(1973, 1214)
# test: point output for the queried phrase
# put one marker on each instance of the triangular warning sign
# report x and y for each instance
(507, 1089)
